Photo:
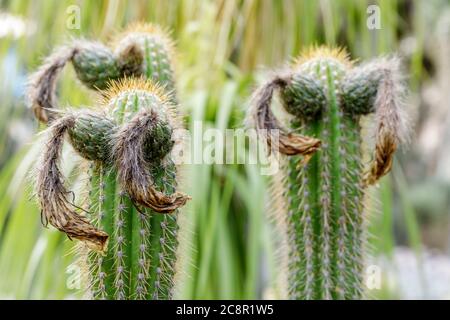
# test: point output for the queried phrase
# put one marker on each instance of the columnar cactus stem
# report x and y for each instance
(325, 178)
(131, 221)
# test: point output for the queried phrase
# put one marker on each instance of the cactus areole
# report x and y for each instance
(129, 221)
(320, 194)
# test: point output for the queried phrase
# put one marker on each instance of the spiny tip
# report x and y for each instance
(163, 35)
(133, 84)
(339, 54)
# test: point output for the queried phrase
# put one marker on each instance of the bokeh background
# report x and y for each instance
(224, 48)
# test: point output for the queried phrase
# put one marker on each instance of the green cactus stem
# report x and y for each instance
(323, 178)
(130, 224)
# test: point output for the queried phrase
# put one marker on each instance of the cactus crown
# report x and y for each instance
(319, 199)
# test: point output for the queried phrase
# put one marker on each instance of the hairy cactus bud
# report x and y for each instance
(319, 199)
(95, 64)
(304, 97)
(90, 134)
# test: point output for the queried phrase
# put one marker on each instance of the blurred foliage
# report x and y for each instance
(222, 46)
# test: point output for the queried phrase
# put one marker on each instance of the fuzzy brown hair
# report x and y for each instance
(53, 195)
(133, 168)
(41, 96)
(264, 119)
(391, 120)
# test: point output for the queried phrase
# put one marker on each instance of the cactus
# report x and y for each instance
(318, 196)
(130, 222)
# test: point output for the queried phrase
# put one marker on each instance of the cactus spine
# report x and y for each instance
(324, 176)
(131, 218)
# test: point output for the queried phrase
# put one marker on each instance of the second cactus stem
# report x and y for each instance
(319, 199)
(325, 202)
